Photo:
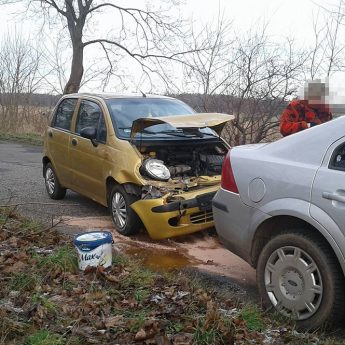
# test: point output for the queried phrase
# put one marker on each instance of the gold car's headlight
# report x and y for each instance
(155, 169)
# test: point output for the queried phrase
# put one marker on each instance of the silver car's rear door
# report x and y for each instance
(328, 192)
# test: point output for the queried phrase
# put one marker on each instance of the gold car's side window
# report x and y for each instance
(64, 113)
(90, 115)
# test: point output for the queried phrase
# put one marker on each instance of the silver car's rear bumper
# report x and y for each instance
(233, 221)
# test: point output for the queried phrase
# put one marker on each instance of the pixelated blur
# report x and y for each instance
(325, 91)
(315, 92)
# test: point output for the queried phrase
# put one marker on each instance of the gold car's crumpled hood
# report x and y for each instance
(192, 121)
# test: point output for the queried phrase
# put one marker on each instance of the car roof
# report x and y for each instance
(102, 95)
(310, 145)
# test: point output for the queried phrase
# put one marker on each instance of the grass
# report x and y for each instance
(208, 333)
(141, 295)
(23, 282)
(253, 317)
(26, 138)
(44, 337)
(174, 327)
(30, 225)
(139, 278)
(38, 299)
(137, 321)
(64, 258)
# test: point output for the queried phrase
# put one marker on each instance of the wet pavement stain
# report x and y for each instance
(162, 261)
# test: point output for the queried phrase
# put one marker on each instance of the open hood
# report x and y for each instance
(214, 121)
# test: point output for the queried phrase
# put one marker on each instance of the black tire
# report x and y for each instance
(323, 301)
(53, 186)
(131, 222)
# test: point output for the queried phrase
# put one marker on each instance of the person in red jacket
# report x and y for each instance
(307, 112)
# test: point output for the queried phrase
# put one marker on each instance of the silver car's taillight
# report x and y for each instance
(228, 178)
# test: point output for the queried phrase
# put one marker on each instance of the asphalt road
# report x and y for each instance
(22, 183)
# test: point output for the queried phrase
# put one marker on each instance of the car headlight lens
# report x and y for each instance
(156, 169)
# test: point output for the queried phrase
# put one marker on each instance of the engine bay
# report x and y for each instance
(186, 161)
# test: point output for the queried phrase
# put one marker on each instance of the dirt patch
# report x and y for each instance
(201, 250)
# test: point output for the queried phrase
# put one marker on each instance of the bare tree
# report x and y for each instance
(142, 34)
(55, 72)
(327, 51)
(19, 79)
(209, 71)
(248, 76)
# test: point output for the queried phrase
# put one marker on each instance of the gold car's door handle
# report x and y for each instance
(74, 142)
(50, 134)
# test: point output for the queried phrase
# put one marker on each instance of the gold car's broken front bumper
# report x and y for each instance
(176, 218)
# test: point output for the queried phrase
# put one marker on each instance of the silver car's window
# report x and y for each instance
(64, 113)
(338, 158)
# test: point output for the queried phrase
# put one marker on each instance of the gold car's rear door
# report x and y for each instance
(58, 137)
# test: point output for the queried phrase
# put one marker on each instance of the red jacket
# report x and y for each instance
(299, 113)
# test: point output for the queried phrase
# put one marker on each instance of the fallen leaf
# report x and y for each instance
(16, 267)
(162, 339)
(183, 339)
(114, 321)
(141, 335)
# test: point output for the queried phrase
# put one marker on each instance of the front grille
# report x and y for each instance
(201, 217)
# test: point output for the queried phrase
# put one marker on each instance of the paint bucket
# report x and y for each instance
(94, 249)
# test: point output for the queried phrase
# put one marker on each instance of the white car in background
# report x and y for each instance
(281, 208)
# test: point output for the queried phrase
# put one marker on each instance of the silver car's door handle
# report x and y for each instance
(332, 196)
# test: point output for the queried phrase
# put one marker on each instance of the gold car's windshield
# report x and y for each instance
(125, 110)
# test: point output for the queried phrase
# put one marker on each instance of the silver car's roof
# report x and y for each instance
(308, 146)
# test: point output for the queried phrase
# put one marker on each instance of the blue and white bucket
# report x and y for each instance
(94, 249)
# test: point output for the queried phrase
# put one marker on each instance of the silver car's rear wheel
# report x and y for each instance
(299, 275)
(293, 282)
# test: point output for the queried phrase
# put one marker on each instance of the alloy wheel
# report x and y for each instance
(119, 210)
(50, 180)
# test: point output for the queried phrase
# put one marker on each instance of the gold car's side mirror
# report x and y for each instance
(90, 133)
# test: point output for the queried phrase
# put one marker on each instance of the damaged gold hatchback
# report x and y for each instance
(152, 160)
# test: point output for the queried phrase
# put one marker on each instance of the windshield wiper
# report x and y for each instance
(176, 132)
(169, 132)
(193, 132)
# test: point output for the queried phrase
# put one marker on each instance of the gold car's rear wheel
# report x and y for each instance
(53, 187)
(125, 220)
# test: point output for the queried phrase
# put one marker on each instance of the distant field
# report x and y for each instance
(27, 138)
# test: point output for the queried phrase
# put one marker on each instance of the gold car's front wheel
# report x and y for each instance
(125, 220)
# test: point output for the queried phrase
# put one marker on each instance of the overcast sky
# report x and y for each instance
(285, 18)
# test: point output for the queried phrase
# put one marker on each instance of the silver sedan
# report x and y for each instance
(281, 208)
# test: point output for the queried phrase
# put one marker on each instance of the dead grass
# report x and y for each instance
(26, 138)
(45, 300)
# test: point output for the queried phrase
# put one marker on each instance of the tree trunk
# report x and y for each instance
(77, 69)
